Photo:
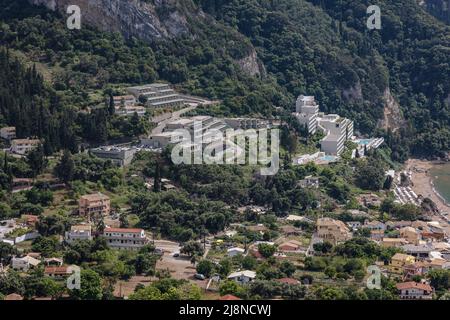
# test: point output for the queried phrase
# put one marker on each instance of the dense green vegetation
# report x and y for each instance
(56, 84)
(307, 47)
(324, 48)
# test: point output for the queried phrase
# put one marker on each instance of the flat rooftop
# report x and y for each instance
(182, 121)
(149, 86)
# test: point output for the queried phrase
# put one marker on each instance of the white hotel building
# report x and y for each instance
(307, 111)
(127, 239)
(337, 129)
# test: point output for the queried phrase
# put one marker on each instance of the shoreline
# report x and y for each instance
(423, 183)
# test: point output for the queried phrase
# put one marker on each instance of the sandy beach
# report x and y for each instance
(423, 183)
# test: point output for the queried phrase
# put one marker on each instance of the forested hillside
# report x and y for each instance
(324, 48)
(320, 48)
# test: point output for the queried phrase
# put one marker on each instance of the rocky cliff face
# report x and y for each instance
(145, 20)
(131, 17)
(393, 118)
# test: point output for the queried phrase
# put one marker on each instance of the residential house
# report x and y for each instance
(436, 263)
(377, 235)
(290, 246)
(78, 233)
(127, 239)
(8, 133)
(433, 233)
(411, 235)
(94, 204)
(53, 262)
(235, 251)
(354, 225)
(22, 184)
(331, 230)
(57, 272)
(291, 230)
(29, 220)
(399, 261)
(418, 251)
(374, 225)
(414, 291)
(418, 268)
(23, 146)
(242, 277)
(257, 228)
(24, 263)
(398, 224)
(393, 242)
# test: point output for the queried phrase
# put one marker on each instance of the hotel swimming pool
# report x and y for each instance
(365, 142)
(328, 158)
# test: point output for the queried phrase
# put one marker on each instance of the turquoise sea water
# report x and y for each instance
(441, 180)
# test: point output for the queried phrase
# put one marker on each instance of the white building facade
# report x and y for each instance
(78, 233)
(307, 112)
(126, 239)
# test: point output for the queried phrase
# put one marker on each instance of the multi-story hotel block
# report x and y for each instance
(158, 95)
(127, 239)
(307, 112)
(94, 204)
(199, 127)
(338, 130)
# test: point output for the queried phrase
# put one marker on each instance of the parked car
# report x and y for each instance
(176, 254)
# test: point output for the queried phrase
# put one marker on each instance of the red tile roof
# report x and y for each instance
(123, 230)
(56, 270)
(414, 285)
